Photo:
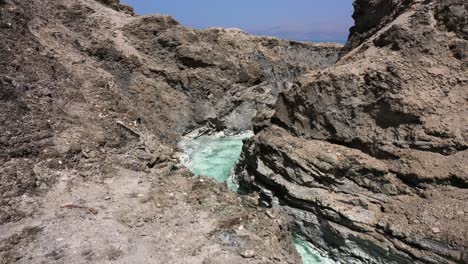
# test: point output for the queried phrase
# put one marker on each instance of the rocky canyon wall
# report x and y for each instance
(85, 77)
(370, 156)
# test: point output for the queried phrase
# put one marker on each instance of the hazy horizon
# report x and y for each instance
(300, 20)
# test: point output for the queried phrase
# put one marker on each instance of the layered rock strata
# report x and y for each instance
(370, 156)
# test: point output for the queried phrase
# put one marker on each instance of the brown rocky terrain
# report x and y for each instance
(370, 156)
(93, 100)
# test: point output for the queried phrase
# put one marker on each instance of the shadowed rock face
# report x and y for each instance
(228, 75)
(369, 17)
(452, 14)
(115, 4)
(370, 156)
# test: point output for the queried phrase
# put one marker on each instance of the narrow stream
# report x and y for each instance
(215, 156)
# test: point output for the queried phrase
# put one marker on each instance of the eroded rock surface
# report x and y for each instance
(227, 75)
(371, 155)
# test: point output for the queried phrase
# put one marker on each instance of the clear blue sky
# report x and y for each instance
(312, 20)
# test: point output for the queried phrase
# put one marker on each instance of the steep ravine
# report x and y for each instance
(94, 99)
(367, 156)
(370, 155)
(215, 156)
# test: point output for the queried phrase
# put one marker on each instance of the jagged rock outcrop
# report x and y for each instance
(115, 4)
(227, 75)
(93, 100)
(370, 156)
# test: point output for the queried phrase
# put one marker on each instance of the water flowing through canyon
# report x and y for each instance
(215, 156)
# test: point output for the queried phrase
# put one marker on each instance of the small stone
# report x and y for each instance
(270, 214)
(382, 223)
(92, 154)
(248, 254)
(460, 212)
(85, 154)
(436, 230)
(93, 210)
(43, 186)
(107, 198)
(141, 195)
(390, 189)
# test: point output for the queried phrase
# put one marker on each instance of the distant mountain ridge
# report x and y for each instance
(314, 36)
(309, 33)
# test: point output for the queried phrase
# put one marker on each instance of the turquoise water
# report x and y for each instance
(215, 157)
(308, 253)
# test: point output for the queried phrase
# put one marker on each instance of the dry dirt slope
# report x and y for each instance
(93, 99)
